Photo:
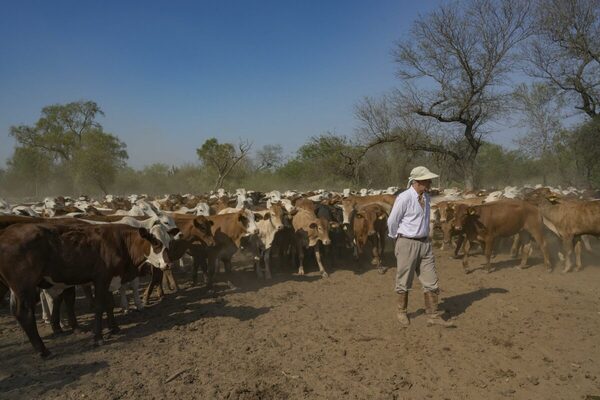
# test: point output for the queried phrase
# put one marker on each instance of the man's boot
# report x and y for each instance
(431, 308)
(402, 307)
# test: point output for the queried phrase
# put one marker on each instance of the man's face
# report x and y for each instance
(423, 185)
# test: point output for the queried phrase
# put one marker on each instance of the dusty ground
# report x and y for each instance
(521, 334)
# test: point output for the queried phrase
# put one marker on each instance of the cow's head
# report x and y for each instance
(159, 240)
(318, 230)
(203, 230)
(169, 224)
(462, 213)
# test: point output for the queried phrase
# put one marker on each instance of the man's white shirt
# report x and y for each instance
(407, 217)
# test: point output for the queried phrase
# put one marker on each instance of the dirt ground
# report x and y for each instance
(520, 334)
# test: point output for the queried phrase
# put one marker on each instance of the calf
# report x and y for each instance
(309, 230)
(485, 223)
(46, 255)
(370, 227)
(269, 223)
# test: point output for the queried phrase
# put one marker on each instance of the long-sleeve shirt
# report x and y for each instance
(407, 217)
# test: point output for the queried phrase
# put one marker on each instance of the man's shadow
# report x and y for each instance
(456, 305)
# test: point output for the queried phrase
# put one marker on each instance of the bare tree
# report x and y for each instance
(565, 50)
(453, 66)
(540, 107)
(269, 158)
(222, 157)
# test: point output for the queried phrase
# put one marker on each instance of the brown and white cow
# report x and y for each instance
(309, 230)
(269, 223)
(487, 222)
(47, 255)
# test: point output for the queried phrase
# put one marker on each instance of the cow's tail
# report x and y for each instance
(12, 303)
(551, 226)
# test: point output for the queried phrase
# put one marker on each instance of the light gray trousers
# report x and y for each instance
(415, 256)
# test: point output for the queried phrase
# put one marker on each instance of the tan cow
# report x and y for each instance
(569, 220)
(487, 222)
(309, 230)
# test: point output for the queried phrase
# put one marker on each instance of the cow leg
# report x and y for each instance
(257, 266)
(155, 276)
(47, 306)
(69, 298)
(461, 242)
(267, 257)
(54, 305)
(110, 316)
(123, 298)
(466, 247)
(578, 248)
(324, 273)
(25, 314)
(525, 251)
(489, 248)
(195, 265)
(514, 250)
(101, 295)
(87, 291)
(171, 280)
(135, 287)
(300, 254)
(567, 251)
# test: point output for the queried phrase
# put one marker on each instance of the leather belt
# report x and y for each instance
(421, 239)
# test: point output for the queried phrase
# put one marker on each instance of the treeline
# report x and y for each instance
(456, 69)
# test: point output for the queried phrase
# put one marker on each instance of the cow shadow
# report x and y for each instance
(458, 304)
(45, 379)
(183, 309)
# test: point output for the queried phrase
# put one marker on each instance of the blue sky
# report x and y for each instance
(169, 75)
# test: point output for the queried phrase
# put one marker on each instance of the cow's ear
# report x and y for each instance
(144, 233)
(294, 211)
(267, 216)
(258, 217)
(333, 225)
(382, 216)
(359, 215)
(313, 225)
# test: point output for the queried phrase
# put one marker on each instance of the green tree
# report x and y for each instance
(28, 172)
(222, 157)
(60, 129)
(97, 159)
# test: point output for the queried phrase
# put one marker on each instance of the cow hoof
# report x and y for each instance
(46, 354)
(490, 270)
(98, 342)
(78, 331)
(115, 330)
(325, 274)
(467, 271)
(382, 270)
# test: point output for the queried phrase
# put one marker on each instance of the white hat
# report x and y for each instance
(420, 174)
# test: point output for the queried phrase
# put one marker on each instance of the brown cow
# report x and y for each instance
(350, 203)
(485, 223)
(196, 238)
(70, 255)
(227, 230)
(369, 225)
(309, 230)
(569, 220)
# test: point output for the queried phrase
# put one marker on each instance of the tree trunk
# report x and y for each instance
(468, 168)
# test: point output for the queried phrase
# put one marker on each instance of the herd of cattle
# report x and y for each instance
(49, 247)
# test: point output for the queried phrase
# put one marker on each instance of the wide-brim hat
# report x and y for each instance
(421, 174)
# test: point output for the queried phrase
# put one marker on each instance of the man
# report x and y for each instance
(408, 224)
